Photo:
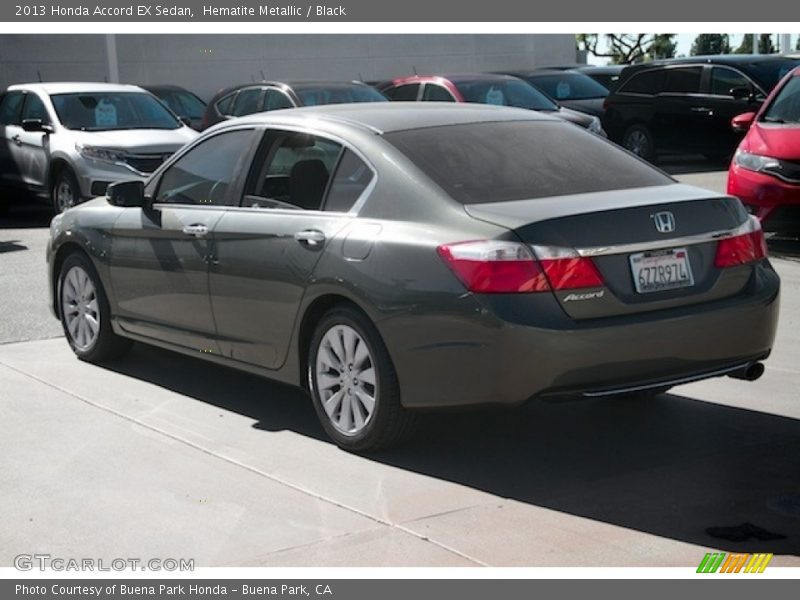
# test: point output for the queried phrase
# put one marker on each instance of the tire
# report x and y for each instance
(65, 192)
(365, 371)
(639, 141)
(85, 312)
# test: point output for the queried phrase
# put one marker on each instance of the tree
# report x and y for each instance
(764, 44)
(626, 48)
(711, 43)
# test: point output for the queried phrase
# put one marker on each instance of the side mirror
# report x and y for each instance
(126, 193)
(741, 123)
(34, 125)
(742, 93)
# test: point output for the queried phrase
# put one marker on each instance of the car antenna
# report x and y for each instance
(414, 68)
(39, 73)
(263, 77)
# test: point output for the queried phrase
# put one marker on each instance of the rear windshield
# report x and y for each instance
(769, 72)
(505, 92)
(478, 163)
(117, 110)
(313, 95)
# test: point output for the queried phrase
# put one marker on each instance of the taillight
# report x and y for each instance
(495, 266)
(747, 247)
(566, 269)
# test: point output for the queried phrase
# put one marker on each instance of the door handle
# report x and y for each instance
(17, 140)
(702, 109)
(310, 237)
(196, 230)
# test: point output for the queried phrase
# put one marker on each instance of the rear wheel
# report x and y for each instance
(353, 383)
(639, 141)
(85, 314)
(65, 193)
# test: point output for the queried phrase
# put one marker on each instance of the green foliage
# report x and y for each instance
(711, 43)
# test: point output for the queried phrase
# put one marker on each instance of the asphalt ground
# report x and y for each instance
(161, 455)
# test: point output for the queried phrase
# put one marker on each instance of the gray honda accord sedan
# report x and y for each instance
(394, 258)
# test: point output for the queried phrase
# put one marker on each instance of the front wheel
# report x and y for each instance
(353, 383)
(66, 192)
(85, 314)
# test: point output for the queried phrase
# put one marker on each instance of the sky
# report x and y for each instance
(684, 46)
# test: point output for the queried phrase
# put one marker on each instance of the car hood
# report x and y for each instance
(591, 106)
(574, 116)
(139, 140)
(773, 139)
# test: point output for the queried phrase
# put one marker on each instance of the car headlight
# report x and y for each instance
(755, 162)
(594, 125)
(107, 155)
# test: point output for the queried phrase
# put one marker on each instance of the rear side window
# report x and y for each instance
(247, 102)
(406, 92)
(436, 93)
(683, 80)
(498, 162)
(10, 108)
(224, 105)
(351, 179)
(648, 82)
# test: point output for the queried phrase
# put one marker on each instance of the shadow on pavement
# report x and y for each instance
(11, 246)
(669, 466)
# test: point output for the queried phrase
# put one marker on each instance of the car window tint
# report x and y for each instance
(648, 82)
(683, 80)
(351, 179)
(406, 92)
(276, 100)
(224, 104)
(436, 93)
(10, 108)
(247, 102)
(193, 107)
(499, 162)
(34, 109)
(723, 80)
(204, 174)
(292, 169)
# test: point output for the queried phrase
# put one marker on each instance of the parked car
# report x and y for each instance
(765, 171)
(572, 89)
(251, 98)
(187, 105)
(392, 258)
(607, 76)
(69, 141)
(502, 90)
(686, 105)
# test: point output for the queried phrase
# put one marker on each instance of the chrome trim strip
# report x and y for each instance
(689, 240)
(669, 382)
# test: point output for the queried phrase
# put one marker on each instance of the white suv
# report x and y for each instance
(69, 141)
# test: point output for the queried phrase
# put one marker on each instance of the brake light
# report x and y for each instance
(742, 249)
(495, 266)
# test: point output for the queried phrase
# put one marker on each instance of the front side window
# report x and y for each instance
(479, 163)
(100, 111)
(682, 80)
(436, 93)
(205, 173)
(34, 109)
(291, 170)
(10, 108)
(785, 107)
(724, 80)
(276, 100)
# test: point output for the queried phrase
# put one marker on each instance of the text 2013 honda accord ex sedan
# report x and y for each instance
(392, 258)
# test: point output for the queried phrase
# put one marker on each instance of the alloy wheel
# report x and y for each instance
(80, 307)
(65, 195)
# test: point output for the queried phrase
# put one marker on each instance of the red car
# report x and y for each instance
(765, 171)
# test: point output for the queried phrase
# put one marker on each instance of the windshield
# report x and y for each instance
(111, 111)
(183, 104)
(785, 108)
(768, 73)
(505, 92)
(477, 163)
(338, 94)
(568, 86)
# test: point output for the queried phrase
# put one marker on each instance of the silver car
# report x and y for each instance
(69, 141)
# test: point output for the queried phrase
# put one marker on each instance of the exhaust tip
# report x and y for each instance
(749, 373)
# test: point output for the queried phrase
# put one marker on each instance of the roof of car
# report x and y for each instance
(72, 87)
(722, 59)
(386, 117)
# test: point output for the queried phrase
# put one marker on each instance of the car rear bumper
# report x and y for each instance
(776, 203)
(478, 359)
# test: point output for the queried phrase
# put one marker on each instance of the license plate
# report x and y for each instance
(661, 270)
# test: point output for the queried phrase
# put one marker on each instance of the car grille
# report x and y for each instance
(146, 163)
(789, 170)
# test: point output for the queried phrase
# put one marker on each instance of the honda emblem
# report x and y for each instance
(664, 222)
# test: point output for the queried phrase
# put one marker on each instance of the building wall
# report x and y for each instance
(206, 63)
